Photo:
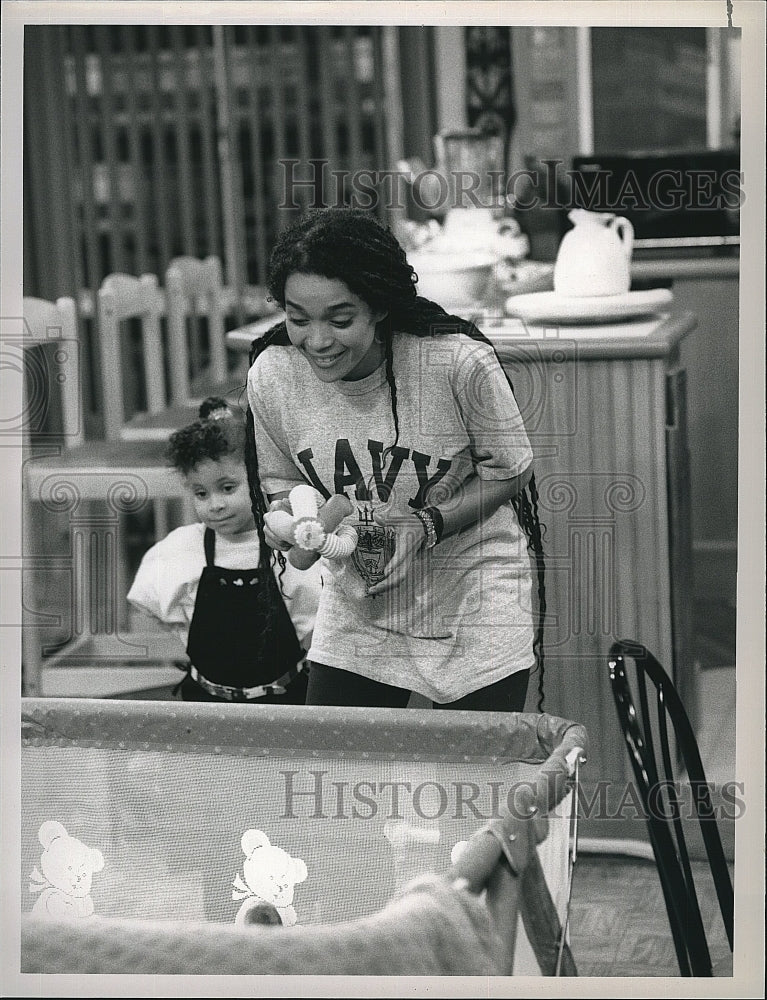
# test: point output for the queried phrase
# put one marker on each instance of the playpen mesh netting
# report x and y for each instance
(142, 817)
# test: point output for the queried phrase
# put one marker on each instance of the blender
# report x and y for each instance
(473, 165)
(466, 191)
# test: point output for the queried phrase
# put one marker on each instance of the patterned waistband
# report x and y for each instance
(278, 687)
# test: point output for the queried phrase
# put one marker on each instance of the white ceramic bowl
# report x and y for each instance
(453, 279)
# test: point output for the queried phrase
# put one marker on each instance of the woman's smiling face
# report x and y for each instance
(332, 327)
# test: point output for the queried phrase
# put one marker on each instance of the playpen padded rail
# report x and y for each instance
(436, 923)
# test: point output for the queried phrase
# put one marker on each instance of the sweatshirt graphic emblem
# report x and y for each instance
(375, 546)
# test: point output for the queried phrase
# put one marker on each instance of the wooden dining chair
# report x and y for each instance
(86, 488)
(666, 763)
(196, 309)
(136, 365)
(53, 325)
(128, 314)
(196, 353)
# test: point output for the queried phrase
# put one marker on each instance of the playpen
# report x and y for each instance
(159, 837)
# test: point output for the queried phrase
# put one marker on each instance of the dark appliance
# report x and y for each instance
(673, 199)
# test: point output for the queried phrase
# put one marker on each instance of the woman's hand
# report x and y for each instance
(409, 539)
(478, 500)
(272, 540)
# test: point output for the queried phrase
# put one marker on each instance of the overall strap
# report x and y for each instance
(210, 546)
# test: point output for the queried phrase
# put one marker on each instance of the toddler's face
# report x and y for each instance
(332, 327)
(220, 494)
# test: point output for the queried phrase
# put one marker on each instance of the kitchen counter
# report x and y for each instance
(708, 285)
(604, 408)
(656, 336)
(647, 337)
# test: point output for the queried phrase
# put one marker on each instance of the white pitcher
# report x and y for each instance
(594, 257)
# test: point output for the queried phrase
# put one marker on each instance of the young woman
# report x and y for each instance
(369, 390)
(246, 633)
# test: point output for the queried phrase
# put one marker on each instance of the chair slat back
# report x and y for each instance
(194, 290)
(662, 804)
(47, 322)
(647, 727)
(122, 297)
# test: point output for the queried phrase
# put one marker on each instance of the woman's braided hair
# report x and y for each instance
(351, 246)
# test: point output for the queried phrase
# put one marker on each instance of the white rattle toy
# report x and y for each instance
(314, 527)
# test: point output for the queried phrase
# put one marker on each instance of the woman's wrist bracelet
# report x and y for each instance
(433, 524)
(428, 526)
(439, 524)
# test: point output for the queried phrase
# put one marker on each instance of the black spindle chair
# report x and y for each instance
(661, 800)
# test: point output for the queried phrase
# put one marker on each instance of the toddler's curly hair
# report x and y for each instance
(218, 432)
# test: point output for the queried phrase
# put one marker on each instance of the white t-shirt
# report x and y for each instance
(166, 582)
(463, 618)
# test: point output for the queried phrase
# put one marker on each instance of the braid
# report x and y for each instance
(257, 501)
(389, 355)
(525, 504)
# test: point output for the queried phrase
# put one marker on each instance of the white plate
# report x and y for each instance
(548, 307)
(466, 310)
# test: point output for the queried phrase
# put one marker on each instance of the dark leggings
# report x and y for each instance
(332, 686)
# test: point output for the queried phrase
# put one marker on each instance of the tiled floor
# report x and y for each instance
(618, 922)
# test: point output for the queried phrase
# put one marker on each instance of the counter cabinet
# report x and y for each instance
(606, 417)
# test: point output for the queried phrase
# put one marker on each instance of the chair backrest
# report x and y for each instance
(654, 764)
(193, 290)
(56, 323)
(124, 297)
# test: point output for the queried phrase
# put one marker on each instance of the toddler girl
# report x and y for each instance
(245, 615)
